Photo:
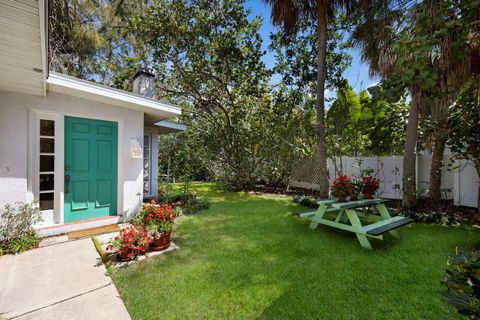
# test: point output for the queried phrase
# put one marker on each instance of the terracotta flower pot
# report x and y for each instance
(367, 195)
(342, 199)
(161, 243)
(354, 197)
(126, 255)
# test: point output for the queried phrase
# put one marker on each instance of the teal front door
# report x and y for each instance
(90, 184)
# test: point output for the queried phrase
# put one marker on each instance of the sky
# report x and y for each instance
(357, 73)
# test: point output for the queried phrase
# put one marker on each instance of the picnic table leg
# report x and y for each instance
(357, 225)
(386, 215)
(341, 217)
(321, 211)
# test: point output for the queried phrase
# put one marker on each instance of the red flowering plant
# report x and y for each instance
(130, 242)
(157, 218)
(342, 187)
(370, 186)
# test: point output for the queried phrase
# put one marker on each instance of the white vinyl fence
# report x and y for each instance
(460, 183)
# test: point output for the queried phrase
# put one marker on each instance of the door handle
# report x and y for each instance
(67, 183)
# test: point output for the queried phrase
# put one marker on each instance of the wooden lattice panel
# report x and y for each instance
(306, 170)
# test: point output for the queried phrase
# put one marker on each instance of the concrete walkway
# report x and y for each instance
(61, 281)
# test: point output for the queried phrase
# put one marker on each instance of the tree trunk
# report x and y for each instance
(440, 115)
(435, 191)
(478, 192)
(320, 103)
(409, 200)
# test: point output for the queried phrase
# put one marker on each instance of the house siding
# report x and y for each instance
(14, 144)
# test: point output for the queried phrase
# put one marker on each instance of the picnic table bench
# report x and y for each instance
(348, 216)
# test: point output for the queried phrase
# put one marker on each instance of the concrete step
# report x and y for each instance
(77, 225)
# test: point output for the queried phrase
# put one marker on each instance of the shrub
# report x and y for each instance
(16, 227)
(195, 206)
(189, 203)
(306, 201)
(434, 217)
(463, 283)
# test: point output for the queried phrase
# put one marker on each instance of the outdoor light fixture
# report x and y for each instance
(136, 150)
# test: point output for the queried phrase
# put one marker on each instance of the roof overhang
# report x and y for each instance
(170, 127)
(154, 110)
(23, 46)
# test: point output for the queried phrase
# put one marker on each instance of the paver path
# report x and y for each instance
(61, 281)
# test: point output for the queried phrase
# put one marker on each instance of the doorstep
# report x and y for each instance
(77, 225)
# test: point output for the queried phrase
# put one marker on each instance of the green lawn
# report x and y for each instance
(251, 257)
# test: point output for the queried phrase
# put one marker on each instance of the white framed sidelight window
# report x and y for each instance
(147, 165)
(46, 164)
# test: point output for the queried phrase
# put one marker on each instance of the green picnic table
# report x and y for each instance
(348, 216)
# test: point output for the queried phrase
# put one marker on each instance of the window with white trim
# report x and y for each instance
(46, 164)
(147, 168)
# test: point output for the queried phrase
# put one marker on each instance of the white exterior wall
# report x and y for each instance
(17, 119)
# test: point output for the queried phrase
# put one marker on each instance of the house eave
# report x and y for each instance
(170, 127)
(153, 109)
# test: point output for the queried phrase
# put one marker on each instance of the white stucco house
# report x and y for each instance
(85, 152)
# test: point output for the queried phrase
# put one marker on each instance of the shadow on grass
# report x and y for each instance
(250, 257)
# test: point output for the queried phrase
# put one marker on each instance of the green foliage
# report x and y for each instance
(16, 227)
(183, 157)
(463, 283)
(184, 203)
(208, 58)
(464, 125)
(440, 217)
(19, 245)
(189, 203)
(306, 201)
(18, 220)
(357, 124)
(92, 40)
(293, 115)
(296, 57)
(103, 255)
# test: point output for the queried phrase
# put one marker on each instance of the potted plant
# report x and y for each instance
(158, 221)
(357, 188)
(131, 242)
(342, 188)
(370, 186)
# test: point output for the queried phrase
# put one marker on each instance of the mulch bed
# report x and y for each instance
(424, 205)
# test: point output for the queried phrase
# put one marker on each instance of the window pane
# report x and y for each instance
(46, 182)
(47, 145)
(47, 163)
(146, 141)
(146, 187)
(46, 201)
(47, 128)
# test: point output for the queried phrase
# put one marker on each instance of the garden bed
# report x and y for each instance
(109, 259)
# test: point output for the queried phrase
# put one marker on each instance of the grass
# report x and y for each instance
(251, 257)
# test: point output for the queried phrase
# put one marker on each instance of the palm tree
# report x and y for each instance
(287, 14)
(442, 60)
(377, 50)
(453, 60)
